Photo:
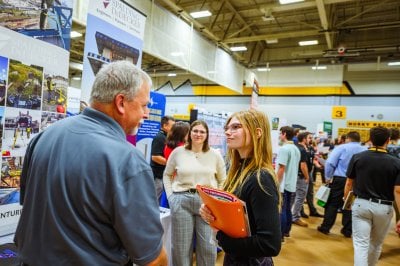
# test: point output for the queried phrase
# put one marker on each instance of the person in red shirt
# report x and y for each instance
(176, 137)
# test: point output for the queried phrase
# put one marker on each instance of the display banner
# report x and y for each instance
(114, 31)
(327, 127)
(215, 123)
(34, 59)
(150, 127)
(370, 124)
(74, 105)
(254, 95)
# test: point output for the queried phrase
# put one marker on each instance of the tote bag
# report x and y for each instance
(322, 195)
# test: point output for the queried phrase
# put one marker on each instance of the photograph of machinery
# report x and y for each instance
(47, 20)
(48, 118)
(11, 168)
(3, 79)
(24, 85)
(20, 126)
(54, 93)
(2, 108)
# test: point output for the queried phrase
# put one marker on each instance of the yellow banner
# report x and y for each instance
(181, 117)
(364, 133)
(370, 124)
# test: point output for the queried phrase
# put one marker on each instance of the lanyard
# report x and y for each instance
(377, 149)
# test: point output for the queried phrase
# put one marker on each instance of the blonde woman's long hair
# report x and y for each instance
(260, 156)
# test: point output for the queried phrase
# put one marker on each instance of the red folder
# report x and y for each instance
(229, 211)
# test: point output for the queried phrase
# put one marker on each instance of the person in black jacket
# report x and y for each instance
(251, 177)
(158, 160)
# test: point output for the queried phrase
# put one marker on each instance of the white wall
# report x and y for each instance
(306, 111)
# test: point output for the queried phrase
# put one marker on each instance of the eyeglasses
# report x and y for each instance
(197, 131)
(233, 127)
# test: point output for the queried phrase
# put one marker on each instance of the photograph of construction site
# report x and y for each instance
(55, 93)
(20, 126)
(1, 125)
(46, 20)
(49, 118)
(11, 168)
(3, 79)
(108, 50)
(24, 85)
(105, 46)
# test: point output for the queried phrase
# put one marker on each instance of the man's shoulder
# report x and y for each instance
(301, 148)
(289, 148)
(394, 150)
(160, 136)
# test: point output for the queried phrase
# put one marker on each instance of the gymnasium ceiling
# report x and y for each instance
(347, 31)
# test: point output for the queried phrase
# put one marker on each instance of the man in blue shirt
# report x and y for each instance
(88, 195)
(335, 173)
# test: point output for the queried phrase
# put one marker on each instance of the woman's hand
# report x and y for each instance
(206, 214)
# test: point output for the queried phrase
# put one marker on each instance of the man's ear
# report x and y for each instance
(259, 132)
(119, 103)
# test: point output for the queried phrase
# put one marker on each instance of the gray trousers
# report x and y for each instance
(371, 223)
(300, 196)
(158, 183)
(186, 223)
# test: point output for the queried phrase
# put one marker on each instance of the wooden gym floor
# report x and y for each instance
(308, 247)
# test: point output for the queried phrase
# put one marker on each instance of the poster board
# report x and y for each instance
(114, 31)
(34, 59)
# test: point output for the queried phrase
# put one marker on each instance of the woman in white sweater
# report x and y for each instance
(189, 165)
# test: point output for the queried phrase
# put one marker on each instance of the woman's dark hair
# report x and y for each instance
(177, 134)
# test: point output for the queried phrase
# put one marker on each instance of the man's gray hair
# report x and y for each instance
(118, 77)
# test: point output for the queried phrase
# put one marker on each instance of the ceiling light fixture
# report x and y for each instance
(271, 41)
(305, 43)
(171, 75)
(284, 2)
(268, 15)
(75, 34)
(76, 78)
(263, 69)
(238, 48)
(201, 14)
(394, 64)
(318, 68)
(76, 66)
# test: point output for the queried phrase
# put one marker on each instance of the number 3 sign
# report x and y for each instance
(339, 112)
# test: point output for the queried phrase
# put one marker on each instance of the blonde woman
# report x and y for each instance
(251, 177)
(189, 165)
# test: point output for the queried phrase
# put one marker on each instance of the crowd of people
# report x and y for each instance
(100, 206)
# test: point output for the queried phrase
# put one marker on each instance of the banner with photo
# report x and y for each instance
(151, 126)
(114, 31)
(34, 59)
